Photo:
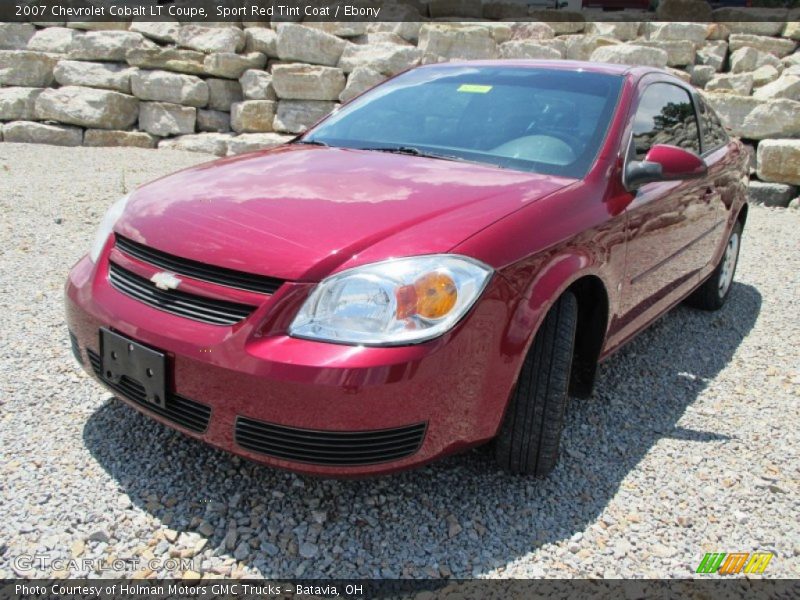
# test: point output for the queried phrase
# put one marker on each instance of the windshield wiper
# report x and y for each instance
(312, 143)
(412, 151)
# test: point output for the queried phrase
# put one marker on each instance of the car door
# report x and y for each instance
(669, 223)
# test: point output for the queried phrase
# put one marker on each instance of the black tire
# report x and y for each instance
(712, 294)
(531, 431)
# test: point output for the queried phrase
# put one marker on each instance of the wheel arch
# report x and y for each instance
(577, 274)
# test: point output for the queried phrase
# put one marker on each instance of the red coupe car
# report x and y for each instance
(434, 266)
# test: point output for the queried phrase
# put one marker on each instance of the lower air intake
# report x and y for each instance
(329, 447)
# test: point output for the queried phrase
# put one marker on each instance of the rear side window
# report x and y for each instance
(714, 134)
(665, 116)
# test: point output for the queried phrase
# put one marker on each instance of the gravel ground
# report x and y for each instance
(691, 444)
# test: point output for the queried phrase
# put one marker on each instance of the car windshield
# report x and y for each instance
(548, 121)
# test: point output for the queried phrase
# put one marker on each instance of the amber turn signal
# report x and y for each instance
(431, 296)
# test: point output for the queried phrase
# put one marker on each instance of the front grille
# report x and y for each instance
(198, 270)
(329, 447)
(187, 413)
(191, 306)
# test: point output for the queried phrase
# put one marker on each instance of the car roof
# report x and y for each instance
(564, 65)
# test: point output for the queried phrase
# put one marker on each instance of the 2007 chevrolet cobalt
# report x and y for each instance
(435, 265)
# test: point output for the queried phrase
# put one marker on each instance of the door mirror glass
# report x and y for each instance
(663, 163)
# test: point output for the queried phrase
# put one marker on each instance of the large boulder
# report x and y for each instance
(88, 107)
(700, 75)
(532, 31)
(779, 161)
(775, 119)
(296, 81)
(581, 47)
(57, 40)
(679, 52)
(207, 143)
(777, 46)
(444, 41)
(261, 39)
(388, 59)
(629, 54)
(749, 59)
(18, 103)
(168, 59)
(296, 116)
(233, 66)
(215, 121)
(27, 132)
(163, 119)
(107, 76)
(787, 87)
(107, 46)
(713, 54)
(306, 44)
(26, 69)
(618, 30)
(770, 194)
(740, 84)
(15, 36)
(257, 85)
(129, 139)
(408, 30)
(344, 29)
(164, 86)
(528, 49)
(359, 81)
(764, 75)
(732, 109)
(792, 30)
(251, 142)
(165, 31)
(678, 31)
(211, 39)
(222, 93)
(253, 116)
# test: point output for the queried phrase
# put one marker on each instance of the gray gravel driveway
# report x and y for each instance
(691, 444)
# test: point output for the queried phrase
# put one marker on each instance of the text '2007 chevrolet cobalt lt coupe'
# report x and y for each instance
(435, 265)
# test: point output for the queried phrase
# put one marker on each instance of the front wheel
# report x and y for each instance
(714, 291)
(531, 431)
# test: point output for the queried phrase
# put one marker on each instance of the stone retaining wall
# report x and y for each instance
(231, 88)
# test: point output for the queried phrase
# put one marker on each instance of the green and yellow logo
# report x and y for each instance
(734, 563)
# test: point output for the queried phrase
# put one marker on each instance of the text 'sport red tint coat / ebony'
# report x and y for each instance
(205, 271)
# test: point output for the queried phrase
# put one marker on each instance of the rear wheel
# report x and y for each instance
(531, 431)
(714, 291)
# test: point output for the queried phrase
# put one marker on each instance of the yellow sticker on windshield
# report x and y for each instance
(471, 88)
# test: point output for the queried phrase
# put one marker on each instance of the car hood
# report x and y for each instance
(301, 212)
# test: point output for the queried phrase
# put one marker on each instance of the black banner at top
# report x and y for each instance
(238, 11)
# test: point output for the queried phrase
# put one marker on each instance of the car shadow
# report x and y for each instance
(459, 516)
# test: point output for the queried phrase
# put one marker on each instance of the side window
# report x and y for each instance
(714, 134)
(665, 116)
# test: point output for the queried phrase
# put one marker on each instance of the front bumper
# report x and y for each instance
(311, 407)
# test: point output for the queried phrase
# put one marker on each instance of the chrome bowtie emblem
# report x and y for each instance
(165, 281)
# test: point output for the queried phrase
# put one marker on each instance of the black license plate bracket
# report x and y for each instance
(123, 357)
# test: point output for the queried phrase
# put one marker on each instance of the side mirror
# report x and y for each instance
(663, 163)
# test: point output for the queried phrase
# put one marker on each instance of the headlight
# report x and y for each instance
(400, 301)
(106, 226)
